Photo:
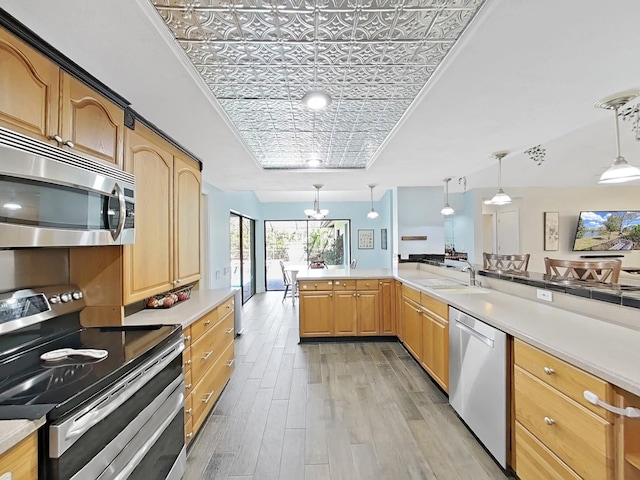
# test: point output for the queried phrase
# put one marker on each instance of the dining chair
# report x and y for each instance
(288, 285)
(598, 270)
(504, 263)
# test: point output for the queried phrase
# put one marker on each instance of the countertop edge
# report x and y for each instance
(14, 431)
(185, 313)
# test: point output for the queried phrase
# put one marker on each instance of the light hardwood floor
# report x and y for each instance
(362, 410)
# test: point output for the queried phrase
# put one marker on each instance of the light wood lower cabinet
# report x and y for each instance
(208, 363)
(316, 313)
(20, 462)
(345, 313)
(425, 329)
(368, 313)
(578, 441)
(387, 290)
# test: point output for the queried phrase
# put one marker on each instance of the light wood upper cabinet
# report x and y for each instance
(29, 89)
(187, 187)
(149, 262)
(92, 124)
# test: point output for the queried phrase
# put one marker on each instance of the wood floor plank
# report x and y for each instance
(365, 461)
(296, 412)
(268, 465)
(282, 388)
(315, 431)
(272, 369)
(292, 463)
(317, 472)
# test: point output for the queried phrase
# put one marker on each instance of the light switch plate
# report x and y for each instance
(545, 295)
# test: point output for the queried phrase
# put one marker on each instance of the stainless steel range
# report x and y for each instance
(114, 412)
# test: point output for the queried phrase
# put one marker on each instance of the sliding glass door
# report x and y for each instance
(297, 243)
(243, 265)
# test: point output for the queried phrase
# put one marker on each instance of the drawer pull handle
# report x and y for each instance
(57, 138)
(229, 330)
(630, 412)
(354, 294)
(188, 411)
(207, 355)
(207, 398)
(549, 370)
(549, 421)
(190, 435)
(187, 338)
(207, 322)
(187, 386)
(231, 362)
(188, 362)
(228, 306)
(69, 144)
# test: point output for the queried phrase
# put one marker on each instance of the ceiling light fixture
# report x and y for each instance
(500, 198)
(316, 100)
(314, 162)
(316, 213)
(447, 210)
(620, 171)
(372, 213)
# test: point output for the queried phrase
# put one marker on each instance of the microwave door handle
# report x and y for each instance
(117, 191)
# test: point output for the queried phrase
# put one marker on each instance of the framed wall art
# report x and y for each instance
(551, 231)
(365, 239)
(383, 238)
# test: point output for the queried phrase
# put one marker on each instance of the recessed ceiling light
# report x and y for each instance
(316, 100)
(314, 162)
(12, 206)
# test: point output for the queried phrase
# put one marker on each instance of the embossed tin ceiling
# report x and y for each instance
(260, 57)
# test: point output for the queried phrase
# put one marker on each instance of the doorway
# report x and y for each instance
(508, 232)
(243, 254)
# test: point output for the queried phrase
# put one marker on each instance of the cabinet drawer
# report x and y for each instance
(568, 379)
(311, 285)
(188, 407)
(367, 284)
(225, 308)
(188, 382)
(204, 324)
(577, 436)
(187, 337)
(21, 460)
(209, 388)
(206, 350)
(411, 294)
(344, 284)
(186, 360)
(188, 431)
(434, 305)
(535, 461)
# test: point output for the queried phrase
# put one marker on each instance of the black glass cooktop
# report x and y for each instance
(30, 387)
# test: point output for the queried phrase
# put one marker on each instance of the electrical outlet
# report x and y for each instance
(546, 295)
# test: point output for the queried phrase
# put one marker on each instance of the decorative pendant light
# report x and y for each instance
(372, 213)
(447, 210)
(316, 213)
(500, 198)
(620, 171)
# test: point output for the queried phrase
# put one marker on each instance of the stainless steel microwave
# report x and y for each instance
(51, 197)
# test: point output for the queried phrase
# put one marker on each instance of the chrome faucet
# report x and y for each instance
(472, 274)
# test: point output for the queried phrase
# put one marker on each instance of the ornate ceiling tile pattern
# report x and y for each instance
(260, 57)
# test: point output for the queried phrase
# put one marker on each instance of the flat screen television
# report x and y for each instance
(617, 231)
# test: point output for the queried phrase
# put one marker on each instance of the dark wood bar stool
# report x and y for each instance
(505, 263)
(595, 270)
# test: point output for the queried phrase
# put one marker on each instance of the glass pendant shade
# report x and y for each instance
(499, 198)
(372, 213)
(447, 209)
(620, 171)
(316, 213)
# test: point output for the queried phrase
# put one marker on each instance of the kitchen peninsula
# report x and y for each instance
(565, 346)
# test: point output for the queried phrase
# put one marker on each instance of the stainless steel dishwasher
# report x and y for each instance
(478, 380)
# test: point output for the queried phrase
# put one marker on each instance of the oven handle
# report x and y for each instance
(67, 433)
(117, 191)
(125, 470)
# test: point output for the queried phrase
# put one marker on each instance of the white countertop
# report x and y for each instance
(14, 431)
(184, 313)
(607, 350)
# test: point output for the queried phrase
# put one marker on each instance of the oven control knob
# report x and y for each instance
(54, 299)
(65, 297)
(77, 295)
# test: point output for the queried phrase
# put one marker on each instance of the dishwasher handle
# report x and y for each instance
(474, 333)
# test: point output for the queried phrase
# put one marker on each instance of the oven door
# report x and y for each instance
(135, 429)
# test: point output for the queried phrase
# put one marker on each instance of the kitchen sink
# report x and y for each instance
(439, 283)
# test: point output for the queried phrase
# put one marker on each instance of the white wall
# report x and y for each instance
(218, 270)
(419, 215)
